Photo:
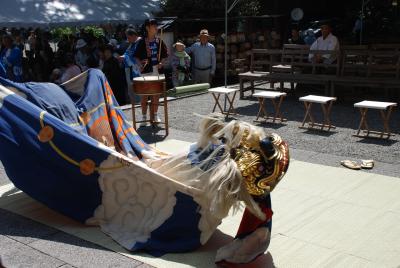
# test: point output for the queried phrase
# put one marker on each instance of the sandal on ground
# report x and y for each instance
(367, 164)
(350, 164)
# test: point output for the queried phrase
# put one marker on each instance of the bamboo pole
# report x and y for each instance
(159, 51)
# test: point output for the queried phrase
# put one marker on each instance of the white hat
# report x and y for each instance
(113, 42)
(80, 43)
(204, 32)
(179, 43)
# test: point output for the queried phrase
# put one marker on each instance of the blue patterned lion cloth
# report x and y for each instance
(70, 147)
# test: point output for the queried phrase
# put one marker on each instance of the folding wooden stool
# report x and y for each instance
(272, 95)
(326, 104)
(217, 92)
(385, 109)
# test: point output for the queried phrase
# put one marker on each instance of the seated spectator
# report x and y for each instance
(295, 37)
(115, 74)
(71, 69)
(309, 37)
(180, 63)
(11, 58)
(326, 42)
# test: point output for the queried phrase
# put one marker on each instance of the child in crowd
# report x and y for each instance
(180, 62)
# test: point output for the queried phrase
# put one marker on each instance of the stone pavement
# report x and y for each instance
(24, 243)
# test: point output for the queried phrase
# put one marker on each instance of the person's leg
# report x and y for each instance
(196, 76)
(155, 102)
(206, 76)
(143, 104)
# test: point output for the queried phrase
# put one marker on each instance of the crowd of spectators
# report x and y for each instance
(36, 55)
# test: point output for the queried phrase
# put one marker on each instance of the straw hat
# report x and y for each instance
(204, 32)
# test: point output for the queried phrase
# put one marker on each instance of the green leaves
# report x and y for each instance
(65, 32)
(62, 32)
(94, 31)
(208, 8)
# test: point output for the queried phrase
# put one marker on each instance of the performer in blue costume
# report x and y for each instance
(73, 150)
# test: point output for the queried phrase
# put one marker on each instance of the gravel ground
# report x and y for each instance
(308, 144)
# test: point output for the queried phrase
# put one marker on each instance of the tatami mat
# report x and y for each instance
(323, 217)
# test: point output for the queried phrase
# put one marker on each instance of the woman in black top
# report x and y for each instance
(151, 52)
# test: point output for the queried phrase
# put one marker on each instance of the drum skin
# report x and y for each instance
(148, 85)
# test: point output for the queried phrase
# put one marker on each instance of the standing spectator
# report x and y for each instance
(31, 39)
(11, 57)
(114, 74)
(3, 72)
(204, 58)
(114, 43)
(180, 62)
(71, 69)
(152, 53)
(123, 41)
(130, 62)
(43, 59)
(82, 54)
(19, 42)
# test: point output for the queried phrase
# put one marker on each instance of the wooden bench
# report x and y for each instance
(369, 68)
(260, 62)
(288, 60)
(385, 109)
(316, 73)
(356, 66)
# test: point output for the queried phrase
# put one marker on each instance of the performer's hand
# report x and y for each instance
(144, 63)
(247, 249)
(318, 58)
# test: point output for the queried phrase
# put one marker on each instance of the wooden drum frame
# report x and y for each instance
(150, 86)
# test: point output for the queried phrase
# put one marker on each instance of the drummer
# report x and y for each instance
(152, 53)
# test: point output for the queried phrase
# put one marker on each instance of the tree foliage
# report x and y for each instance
(207, 8)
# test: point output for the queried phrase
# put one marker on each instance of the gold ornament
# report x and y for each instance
(261, 173)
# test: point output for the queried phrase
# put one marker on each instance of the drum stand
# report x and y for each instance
(151, 120)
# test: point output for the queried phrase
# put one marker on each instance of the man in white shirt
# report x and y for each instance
(326, 42)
